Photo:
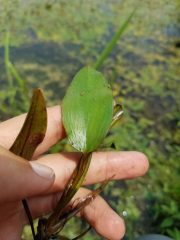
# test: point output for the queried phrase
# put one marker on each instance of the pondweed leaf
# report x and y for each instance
(34, 128)
(87, 109)
(31, 135)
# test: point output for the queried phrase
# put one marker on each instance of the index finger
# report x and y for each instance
(55, 131)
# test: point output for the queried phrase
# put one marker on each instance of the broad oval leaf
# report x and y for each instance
(87, 109)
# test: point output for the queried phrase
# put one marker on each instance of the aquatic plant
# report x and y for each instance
(143, 68)
(88, 113)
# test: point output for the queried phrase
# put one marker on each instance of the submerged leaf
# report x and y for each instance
(34, 128)
(30, 136)
(87, 109)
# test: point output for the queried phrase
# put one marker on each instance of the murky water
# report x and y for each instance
(51, 40)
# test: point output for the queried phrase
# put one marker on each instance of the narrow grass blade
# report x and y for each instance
(20, 81)
(103, 56)
(12, 74)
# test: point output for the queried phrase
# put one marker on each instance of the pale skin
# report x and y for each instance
(43, 185)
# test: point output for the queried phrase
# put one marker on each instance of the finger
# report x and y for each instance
(104, 165)
(55, 131)
(21, 179)
(98, 214)
(103, 219)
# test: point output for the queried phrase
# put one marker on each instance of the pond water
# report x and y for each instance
(50, 40)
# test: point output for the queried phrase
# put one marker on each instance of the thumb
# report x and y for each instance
(20, 179)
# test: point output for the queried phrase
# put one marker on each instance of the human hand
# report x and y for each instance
(42, 180)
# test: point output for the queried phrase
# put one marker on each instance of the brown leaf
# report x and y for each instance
(34, 128)
(30, 136)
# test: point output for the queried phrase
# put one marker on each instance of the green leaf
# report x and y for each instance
(87, 109)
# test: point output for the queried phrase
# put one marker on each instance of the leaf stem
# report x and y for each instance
(53, 223)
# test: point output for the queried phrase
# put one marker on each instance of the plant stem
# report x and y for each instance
(76, 180)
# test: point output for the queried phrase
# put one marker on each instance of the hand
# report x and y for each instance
(41, 180)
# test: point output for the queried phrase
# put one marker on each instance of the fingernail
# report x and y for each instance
(42, 170)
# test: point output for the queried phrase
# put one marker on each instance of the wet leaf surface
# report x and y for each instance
(87, 109)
